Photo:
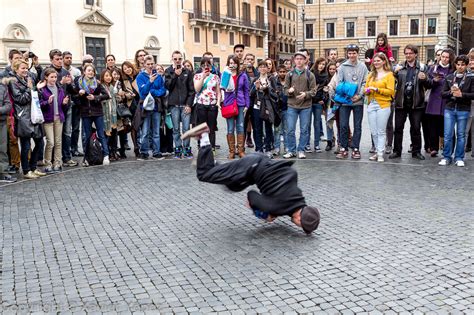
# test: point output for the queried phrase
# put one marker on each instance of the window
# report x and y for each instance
(414, 26)
(309, 1)
(215, 37)
(329, 1)
(231, 8)
(281, 46)
(289, 15)
(231, 38)
(294, 17)
(280, 28)
(96, 48)
(371, 28)
(294, 30)
(89, 2)
(350, 0)
(350, 29)
(395, 51)
(330, 30)
(246, 40)
(197, 35)
(215, 10)
(309, 31)
(149, 7)
(284, 27)
(259, 42)
(430, 53)
(431, 26)
(246, 13)
(274, 6)
(393, 28)
(286, 48)
(259, 16)
(279, 11)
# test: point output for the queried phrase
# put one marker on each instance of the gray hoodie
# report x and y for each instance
(357, 73)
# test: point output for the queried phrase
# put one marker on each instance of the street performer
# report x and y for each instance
(277, 181)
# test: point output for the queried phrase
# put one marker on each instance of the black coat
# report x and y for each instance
(91, 108)
(467, 88)
(181, 88)
(419, 90)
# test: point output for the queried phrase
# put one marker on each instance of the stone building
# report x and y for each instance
(96, 27)
(218, 25)
(287, 20)
(333, 24)
(467, 31)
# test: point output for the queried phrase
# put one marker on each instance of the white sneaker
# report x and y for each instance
(459, 163)
(380, 158)
(289, 155)
(301, 155)
(318, 149)
(106, 160)
(444, 162)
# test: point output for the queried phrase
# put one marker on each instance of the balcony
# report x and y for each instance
(214, 19)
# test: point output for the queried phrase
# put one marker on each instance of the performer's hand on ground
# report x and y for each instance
(270, 218)
(247, 204)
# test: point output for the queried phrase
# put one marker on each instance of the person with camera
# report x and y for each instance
(458, 91)
(412, 80)
(252, 74)
(179, 83)
(149, 81)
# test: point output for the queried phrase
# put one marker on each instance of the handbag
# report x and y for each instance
(123, 111)
(36, 113)
(149, 102)
(230, 111)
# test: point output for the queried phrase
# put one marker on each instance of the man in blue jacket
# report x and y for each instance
(149, 81)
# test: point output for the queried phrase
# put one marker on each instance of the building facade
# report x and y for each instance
(272, 34)
(218, 25)
(467, 25)
(96, 27)
(287, 19)
(333, 24)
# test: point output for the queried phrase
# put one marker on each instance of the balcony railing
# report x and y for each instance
(215, 17)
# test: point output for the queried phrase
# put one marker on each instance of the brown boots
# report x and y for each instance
(231, 144)
(240, 145)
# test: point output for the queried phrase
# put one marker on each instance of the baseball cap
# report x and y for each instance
(299, 53)
(309, 219)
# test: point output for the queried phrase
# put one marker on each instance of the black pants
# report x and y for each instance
(415, 116)
(208, 114)
(389, 129)
(236, 175)
(29, 164)
(76, 124)
(262, 133)
(435, 128)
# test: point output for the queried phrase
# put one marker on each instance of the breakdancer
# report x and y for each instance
(276, 180)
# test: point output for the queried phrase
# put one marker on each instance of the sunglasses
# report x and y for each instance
(176, 59)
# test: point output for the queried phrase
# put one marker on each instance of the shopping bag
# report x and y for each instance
(36, 113)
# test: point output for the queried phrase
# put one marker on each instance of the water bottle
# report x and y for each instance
(260, 214)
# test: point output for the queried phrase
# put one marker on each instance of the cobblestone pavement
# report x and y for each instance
(147, 236)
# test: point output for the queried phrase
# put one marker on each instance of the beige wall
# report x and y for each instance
(224, 48)
(381, 11)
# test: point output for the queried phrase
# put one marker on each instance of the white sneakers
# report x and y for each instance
(445, 162)
(301, 155)
(106, 160)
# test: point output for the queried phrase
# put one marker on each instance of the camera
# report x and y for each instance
(178, 66)
(31, 54)
(409, 90)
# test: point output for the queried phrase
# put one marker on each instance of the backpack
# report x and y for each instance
(308, 77)
(94, 151)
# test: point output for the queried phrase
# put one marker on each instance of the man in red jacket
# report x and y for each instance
(277, 181)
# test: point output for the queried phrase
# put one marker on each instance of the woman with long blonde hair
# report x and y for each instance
(380, 90)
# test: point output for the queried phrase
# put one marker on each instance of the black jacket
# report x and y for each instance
(467, 88)
(5, 103)
(181, 88)
(91, 108)
(420, 85)
(21, 96)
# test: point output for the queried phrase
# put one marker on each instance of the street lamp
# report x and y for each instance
(304, 27)
(458, 27)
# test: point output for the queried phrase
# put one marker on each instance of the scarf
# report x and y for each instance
(88, 85)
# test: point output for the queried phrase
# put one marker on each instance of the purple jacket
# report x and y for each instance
(48, 109)
(243, 92)
(436, 103)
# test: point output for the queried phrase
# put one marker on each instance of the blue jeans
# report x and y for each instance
(99, 125)
(292, 115)
(280, 131)
(262, 141)
(378, 118)
(454, 117)
(178, 116)
(236, 122)
(317, 111)
(66, 136)
(152, 121)
(344, 114)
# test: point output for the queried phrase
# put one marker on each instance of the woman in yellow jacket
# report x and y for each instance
(380, 90)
